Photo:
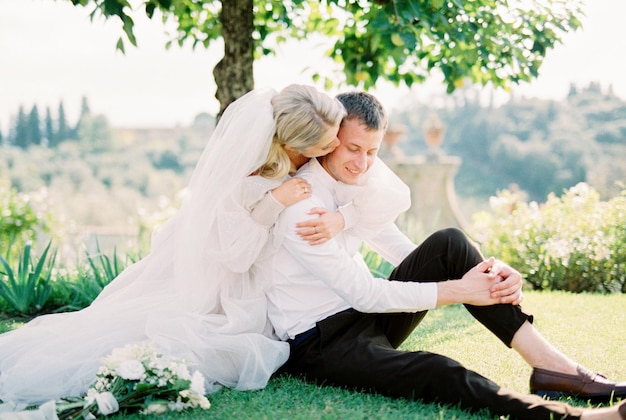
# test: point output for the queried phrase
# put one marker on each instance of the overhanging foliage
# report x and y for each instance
(501, 42)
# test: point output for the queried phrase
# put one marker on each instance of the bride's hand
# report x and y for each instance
(292, 191)
(320, 229)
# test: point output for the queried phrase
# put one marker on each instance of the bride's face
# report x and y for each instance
(326, 144)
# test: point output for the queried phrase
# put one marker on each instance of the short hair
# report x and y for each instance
(366, 108)
(302, 115)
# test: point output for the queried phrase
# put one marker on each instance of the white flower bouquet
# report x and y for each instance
(138, 378)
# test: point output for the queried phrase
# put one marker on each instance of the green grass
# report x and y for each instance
(588, 327)
(8, 323)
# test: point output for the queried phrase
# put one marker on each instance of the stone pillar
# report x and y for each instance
(433, 198)
(430, 178)
(389, 150)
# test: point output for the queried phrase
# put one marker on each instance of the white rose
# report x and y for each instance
(118, 355)
(197, 383)
(142, 351)
(107, 404)
(131, 370)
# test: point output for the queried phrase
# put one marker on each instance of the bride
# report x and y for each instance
(193, 296)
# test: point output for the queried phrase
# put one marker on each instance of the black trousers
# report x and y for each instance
(359, 351)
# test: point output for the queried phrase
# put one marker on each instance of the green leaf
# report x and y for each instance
(436, 4)
(396, 40)
(120, 45)
(379, 23)
(408, 38)
(150, 7)
(128, 25)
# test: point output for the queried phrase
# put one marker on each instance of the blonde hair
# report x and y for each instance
(302, 115)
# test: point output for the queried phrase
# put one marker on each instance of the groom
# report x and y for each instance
(344, 326)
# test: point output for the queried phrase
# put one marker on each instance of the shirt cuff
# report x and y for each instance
(350, 215)
(431, 295)
(267, 210)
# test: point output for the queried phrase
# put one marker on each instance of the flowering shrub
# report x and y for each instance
(19, 221)
(573, 243)
(138, 377)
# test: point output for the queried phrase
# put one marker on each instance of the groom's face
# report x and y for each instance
(355, 154)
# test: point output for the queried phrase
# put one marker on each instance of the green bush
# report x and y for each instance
(19, 219)
(573, 243)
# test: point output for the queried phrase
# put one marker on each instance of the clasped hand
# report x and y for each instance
(491, 282)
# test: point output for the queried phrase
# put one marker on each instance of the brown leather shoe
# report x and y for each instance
(586, 385)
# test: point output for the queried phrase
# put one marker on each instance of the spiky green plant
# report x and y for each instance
(87, 283)
(27, 288)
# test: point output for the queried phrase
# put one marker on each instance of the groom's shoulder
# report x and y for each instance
(312, 171)
(308, 168)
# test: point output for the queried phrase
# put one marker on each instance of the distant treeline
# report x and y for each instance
(32, 129)
(537, 146)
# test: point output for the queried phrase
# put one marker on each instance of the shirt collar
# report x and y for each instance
(343, 193)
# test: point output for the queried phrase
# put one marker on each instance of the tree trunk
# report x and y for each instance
(234, 73)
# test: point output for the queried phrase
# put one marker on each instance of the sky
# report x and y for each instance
(50, 51)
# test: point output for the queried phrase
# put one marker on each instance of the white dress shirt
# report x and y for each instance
(311, 282)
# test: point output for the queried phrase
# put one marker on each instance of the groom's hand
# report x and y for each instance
(490, 282)
(508, 287)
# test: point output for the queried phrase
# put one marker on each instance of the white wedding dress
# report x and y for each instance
(181, 297)
(192, 296)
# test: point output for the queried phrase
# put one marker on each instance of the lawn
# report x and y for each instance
(590, 328)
